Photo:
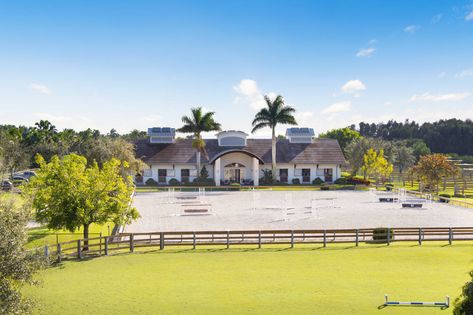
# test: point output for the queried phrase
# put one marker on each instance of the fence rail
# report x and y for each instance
(128, 242)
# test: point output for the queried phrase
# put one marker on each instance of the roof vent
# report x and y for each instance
(300, 135)
(232, 138)
(161, 135)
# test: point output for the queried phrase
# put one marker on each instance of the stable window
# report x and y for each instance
(328, 175)
(283, 175)
(306, 175)
(185, 173)
(162, 174)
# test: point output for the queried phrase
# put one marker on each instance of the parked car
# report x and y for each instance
(28, 174)
(7, 185)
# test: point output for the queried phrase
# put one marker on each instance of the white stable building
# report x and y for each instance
(233, 157)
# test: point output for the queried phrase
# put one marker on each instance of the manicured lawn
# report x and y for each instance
(305, 280)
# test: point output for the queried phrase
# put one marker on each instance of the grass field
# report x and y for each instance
(304, 280)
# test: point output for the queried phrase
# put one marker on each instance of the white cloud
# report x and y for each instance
(353, 87)
(365, 52)
(249, 92)
(339, 107)
(442, 75)
(411, 29)
(436, 18)
(40, 88)
(465, 73)
(153, 118)
(372, 41)
(469, 16)
(427, 96)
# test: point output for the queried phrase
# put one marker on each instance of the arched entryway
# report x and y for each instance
(236, 166)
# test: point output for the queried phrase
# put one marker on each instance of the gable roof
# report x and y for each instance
(320, 151)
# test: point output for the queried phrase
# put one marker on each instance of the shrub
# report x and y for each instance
(464, 303)
(389, 187)
(381, 234)
(151, 182)
(324, 188)
(174, 182)
(296, 181)
(317, 181)
(267, 178)
(235, 184)
(204, 174)
(201, 182)
(358, 181)
(341, 181)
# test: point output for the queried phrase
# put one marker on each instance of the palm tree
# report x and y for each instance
(197, 123)
(275, 113)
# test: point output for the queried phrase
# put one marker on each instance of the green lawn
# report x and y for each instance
(304, 280)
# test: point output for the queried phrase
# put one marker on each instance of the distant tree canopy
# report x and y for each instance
(443, 136)
(20, 145)
(344, 136)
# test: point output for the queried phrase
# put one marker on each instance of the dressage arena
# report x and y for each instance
(201, 210)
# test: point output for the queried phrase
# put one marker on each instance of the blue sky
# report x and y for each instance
(135, 64)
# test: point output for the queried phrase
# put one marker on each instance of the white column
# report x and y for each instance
(217, 172)
(255, 172)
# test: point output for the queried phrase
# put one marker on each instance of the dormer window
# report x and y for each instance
(300, 135)
(232, 138)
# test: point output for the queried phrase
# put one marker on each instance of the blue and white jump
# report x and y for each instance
(415, 303)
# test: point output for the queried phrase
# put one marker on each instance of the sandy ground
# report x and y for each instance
(249, 210)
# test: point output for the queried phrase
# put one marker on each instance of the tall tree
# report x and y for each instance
(356, 150)
(197, 123)
(17, 265)
(344, 136)
(69, 194)
(464, 303)
(403, 157)
(432, 168)
(275, 113)
(375, 165)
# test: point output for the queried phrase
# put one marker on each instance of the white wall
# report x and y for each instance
(174, 171)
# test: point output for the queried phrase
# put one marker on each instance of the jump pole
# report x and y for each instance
(416, 303)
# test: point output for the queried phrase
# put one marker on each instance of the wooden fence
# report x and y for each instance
(450, 201)
(129, 242)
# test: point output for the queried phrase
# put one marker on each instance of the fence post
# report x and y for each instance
(356, 240)
(259, 239)
(59, 258)
(132, 244)
(79, 249)
(100, 244)
(420, 236)
(292, 238)
(228, 239)
(325, 238)
(193, 240)
(450, 236)
(106, 246)
(388, 236)
(46, 251)
(161, 240)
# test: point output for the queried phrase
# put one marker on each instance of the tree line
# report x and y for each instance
(443, 136)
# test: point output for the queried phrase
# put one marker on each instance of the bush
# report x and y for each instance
(341, 181)
(151, 182)
(317, 181)
(267, 178)
(201, 182)
(381, 234)
(296, 181)
(464, 303)
(389, 187)
(174, 182)
(358, 181)
(235, 184)
(325, 188)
